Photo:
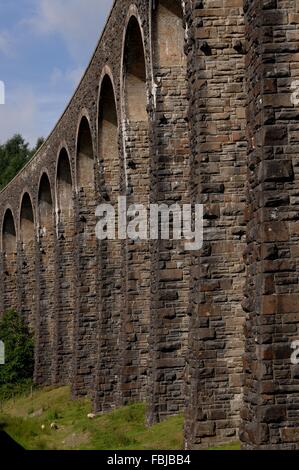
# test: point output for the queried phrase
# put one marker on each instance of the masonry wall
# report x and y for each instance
(190, 101)
(270, 411)
(137, 167)
(170, 186)
(111, 254)
(45, 282)
(10, 295)
(217, 115)
(86, 266)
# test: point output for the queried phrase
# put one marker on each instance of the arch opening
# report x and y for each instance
(46, 274)
(83, 294)
(169, 34)
(64, 184)
(45, 202)
(137, 166)
(135, 74)
(172, 151)
(27, 220)
(9, 238)
(111, 255)
(85, 157)
(65, 269)
(108, 139)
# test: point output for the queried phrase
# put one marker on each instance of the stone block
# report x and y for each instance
(205, 429)
(206, 333)
(168, 275)
(273, 413)
(275, 135)
(276, 170)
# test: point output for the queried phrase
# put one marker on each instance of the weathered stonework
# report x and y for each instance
(217, 116)
(183, 101)
(270, 411)
(170, 183)
(86, 253)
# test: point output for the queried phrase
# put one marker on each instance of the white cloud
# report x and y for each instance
(29, 114)
(6, 43)
(75, 75)
(78, 22)
(34, 112)
(22, 109)
(70, 76)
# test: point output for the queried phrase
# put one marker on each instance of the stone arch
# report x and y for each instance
(85, 155)
(108, 139)
(27, 231)
(134, 73)
(45, 332)
(86, 279)
(27, 284)
(64, 185)
(169, 34)
(9, 234)
(108, 387)
(10, 297)
(45, 203)
(135, 126)
(65, 302)
(171, 149)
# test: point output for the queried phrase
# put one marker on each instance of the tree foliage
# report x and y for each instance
(14, 154)
(19, 349)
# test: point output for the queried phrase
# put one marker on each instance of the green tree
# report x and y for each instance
(38, 145)
(14, 154)
(19, 349)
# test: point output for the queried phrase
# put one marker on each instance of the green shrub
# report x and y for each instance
(9, 390)
(19, 350)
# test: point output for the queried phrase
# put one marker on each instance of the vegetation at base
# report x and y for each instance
(28, 421)
(229, 446)
(123, 429)
(11, 391)
(27, 414)
(14, 154)
(16, 375)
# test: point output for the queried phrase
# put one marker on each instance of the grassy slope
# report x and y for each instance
(123, 429)
(119, 430)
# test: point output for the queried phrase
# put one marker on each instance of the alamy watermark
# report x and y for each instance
(2, 92)
(139, 223)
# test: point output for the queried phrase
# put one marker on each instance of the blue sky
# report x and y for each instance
(45, 46)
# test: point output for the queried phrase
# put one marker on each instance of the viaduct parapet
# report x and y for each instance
(192, 101)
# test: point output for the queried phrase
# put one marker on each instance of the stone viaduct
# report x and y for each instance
(182, 101)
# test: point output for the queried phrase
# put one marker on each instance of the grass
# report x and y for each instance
(229, 446)
(123, 429)
(28, 421)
